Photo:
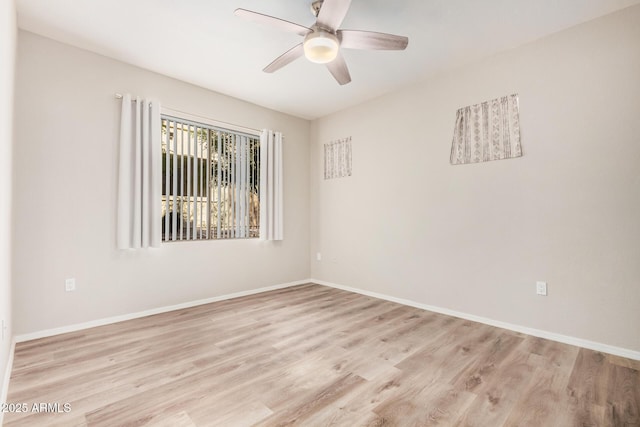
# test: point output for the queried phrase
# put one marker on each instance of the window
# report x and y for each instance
(210, 182)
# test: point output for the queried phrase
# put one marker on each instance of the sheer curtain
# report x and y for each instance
(139, 175)
(271, 188)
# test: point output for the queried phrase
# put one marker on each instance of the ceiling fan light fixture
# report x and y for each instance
(321, 47)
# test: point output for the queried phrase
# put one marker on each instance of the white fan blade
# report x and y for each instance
(338, 68)
(286, 58)
(332, 13)
(274, 22)
(353, 39)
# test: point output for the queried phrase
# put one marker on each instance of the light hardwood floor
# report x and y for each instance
(312, 355)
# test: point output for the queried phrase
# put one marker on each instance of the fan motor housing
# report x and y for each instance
(321, 46)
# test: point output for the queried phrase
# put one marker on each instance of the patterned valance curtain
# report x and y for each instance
(337, 158)
(487, 131)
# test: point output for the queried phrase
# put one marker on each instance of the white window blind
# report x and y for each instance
(210, 187)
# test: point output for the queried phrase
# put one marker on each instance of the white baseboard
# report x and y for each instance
(7, 377)
(579, 342)
(121, 318)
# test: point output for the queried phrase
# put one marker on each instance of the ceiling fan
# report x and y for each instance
(323, 40)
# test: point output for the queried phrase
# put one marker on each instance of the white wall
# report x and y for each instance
(65, 192)
(476, 238)
(7, 64)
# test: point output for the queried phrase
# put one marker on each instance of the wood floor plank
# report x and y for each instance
(542, 402)
(356, 408)
(436, 404)
(623, 397)
(227, 412)
(114, 360)
(291, 383)
(177, 419)
(588, 387)
(181, 393)
(317, 356)
(497, 395)
(624, 362)
(297, 411)
(445, 357)
(486, 364)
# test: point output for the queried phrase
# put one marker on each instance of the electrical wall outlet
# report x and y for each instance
(318, 256)
(70, 285)
(541, 288)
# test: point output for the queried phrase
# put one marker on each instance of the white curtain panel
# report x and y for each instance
(271, 186)
(140, 175)
(487, 131)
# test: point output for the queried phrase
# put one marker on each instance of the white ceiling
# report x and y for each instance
(204, 43)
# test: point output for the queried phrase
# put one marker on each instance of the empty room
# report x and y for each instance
(314, 213)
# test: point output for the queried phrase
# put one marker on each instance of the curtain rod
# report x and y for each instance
(236, 127)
